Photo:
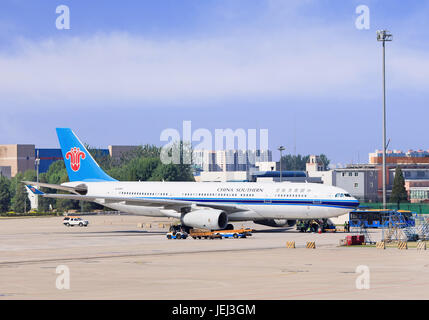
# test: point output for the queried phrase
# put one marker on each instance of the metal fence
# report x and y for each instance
(420, 208)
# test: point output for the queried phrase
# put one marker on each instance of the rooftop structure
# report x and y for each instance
(398, 156)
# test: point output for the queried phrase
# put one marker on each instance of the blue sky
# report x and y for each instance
(127, 70)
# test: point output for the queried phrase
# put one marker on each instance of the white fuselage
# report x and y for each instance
(285, 200)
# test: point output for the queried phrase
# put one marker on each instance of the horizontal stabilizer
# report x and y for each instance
(75, 190)
(34, 190)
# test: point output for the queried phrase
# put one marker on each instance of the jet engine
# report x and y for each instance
(206, 218)
(276, 222)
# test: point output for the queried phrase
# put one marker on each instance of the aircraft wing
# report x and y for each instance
(166, 203)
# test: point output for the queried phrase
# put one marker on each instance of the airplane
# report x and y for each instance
(209, 205)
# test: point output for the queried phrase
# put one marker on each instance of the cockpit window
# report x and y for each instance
(341, 195)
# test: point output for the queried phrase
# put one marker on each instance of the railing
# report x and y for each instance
(420, 208)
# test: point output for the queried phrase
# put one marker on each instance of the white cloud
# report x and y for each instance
(313, 63)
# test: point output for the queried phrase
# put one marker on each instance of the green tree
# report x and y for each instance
(103, 159)
(172, 172)
(57, 174)
(141, 169)
(5, 197)
(20, 202)
(145, 151)
(399, 193)
(165, 172)
(45, 204)
(324, 159)
(294, 163)
(298, 162)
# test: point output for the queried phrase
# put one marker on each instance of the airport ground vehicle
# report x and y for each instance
(379, 218)
(314, 225)
(232, 235)
(75, 221)
(177, 232)
(203, 234)
(235, 233)
(219, 234)
(176, 235)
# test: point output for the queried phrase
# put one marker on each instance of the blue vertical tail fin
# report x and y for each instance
(80, 165)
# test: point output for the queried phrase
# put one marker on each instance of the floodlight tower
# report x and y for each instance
(37, 164)
(281, 149)
(383, 36)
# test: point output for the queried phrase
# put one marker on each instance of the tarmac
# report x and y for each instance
(113, 258)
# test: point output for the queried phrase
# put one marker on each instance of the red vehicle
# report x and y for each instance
(355, 240)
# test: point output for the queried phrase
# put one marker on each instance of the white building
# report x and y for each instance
(222, 176)
(229, 160)
(315, 169)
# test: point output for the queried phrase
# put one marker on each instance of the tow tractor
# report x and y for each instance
(177, 232)
(315, 225)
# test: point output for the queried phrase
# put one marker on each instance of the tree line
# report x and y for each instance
(298, 162)
(140, 164)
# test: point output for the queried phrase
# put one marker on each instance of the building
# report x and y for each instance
(418, 190)
(266, 165)
(19, 157)
(262, 172)
(316, 169)
(254, 176)
(222, 176)
(364, 181)
(229, 160)
(274, 176)
(361, 181)
(399, 157)
(314, 164)
(117, 152)
(47, 157)
(238, 165)
(15, 158)
(5, 172)
(22, 157)
(419, 194)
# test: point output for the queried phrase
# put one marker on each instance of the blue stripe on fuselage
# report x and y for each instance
(345, 204)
